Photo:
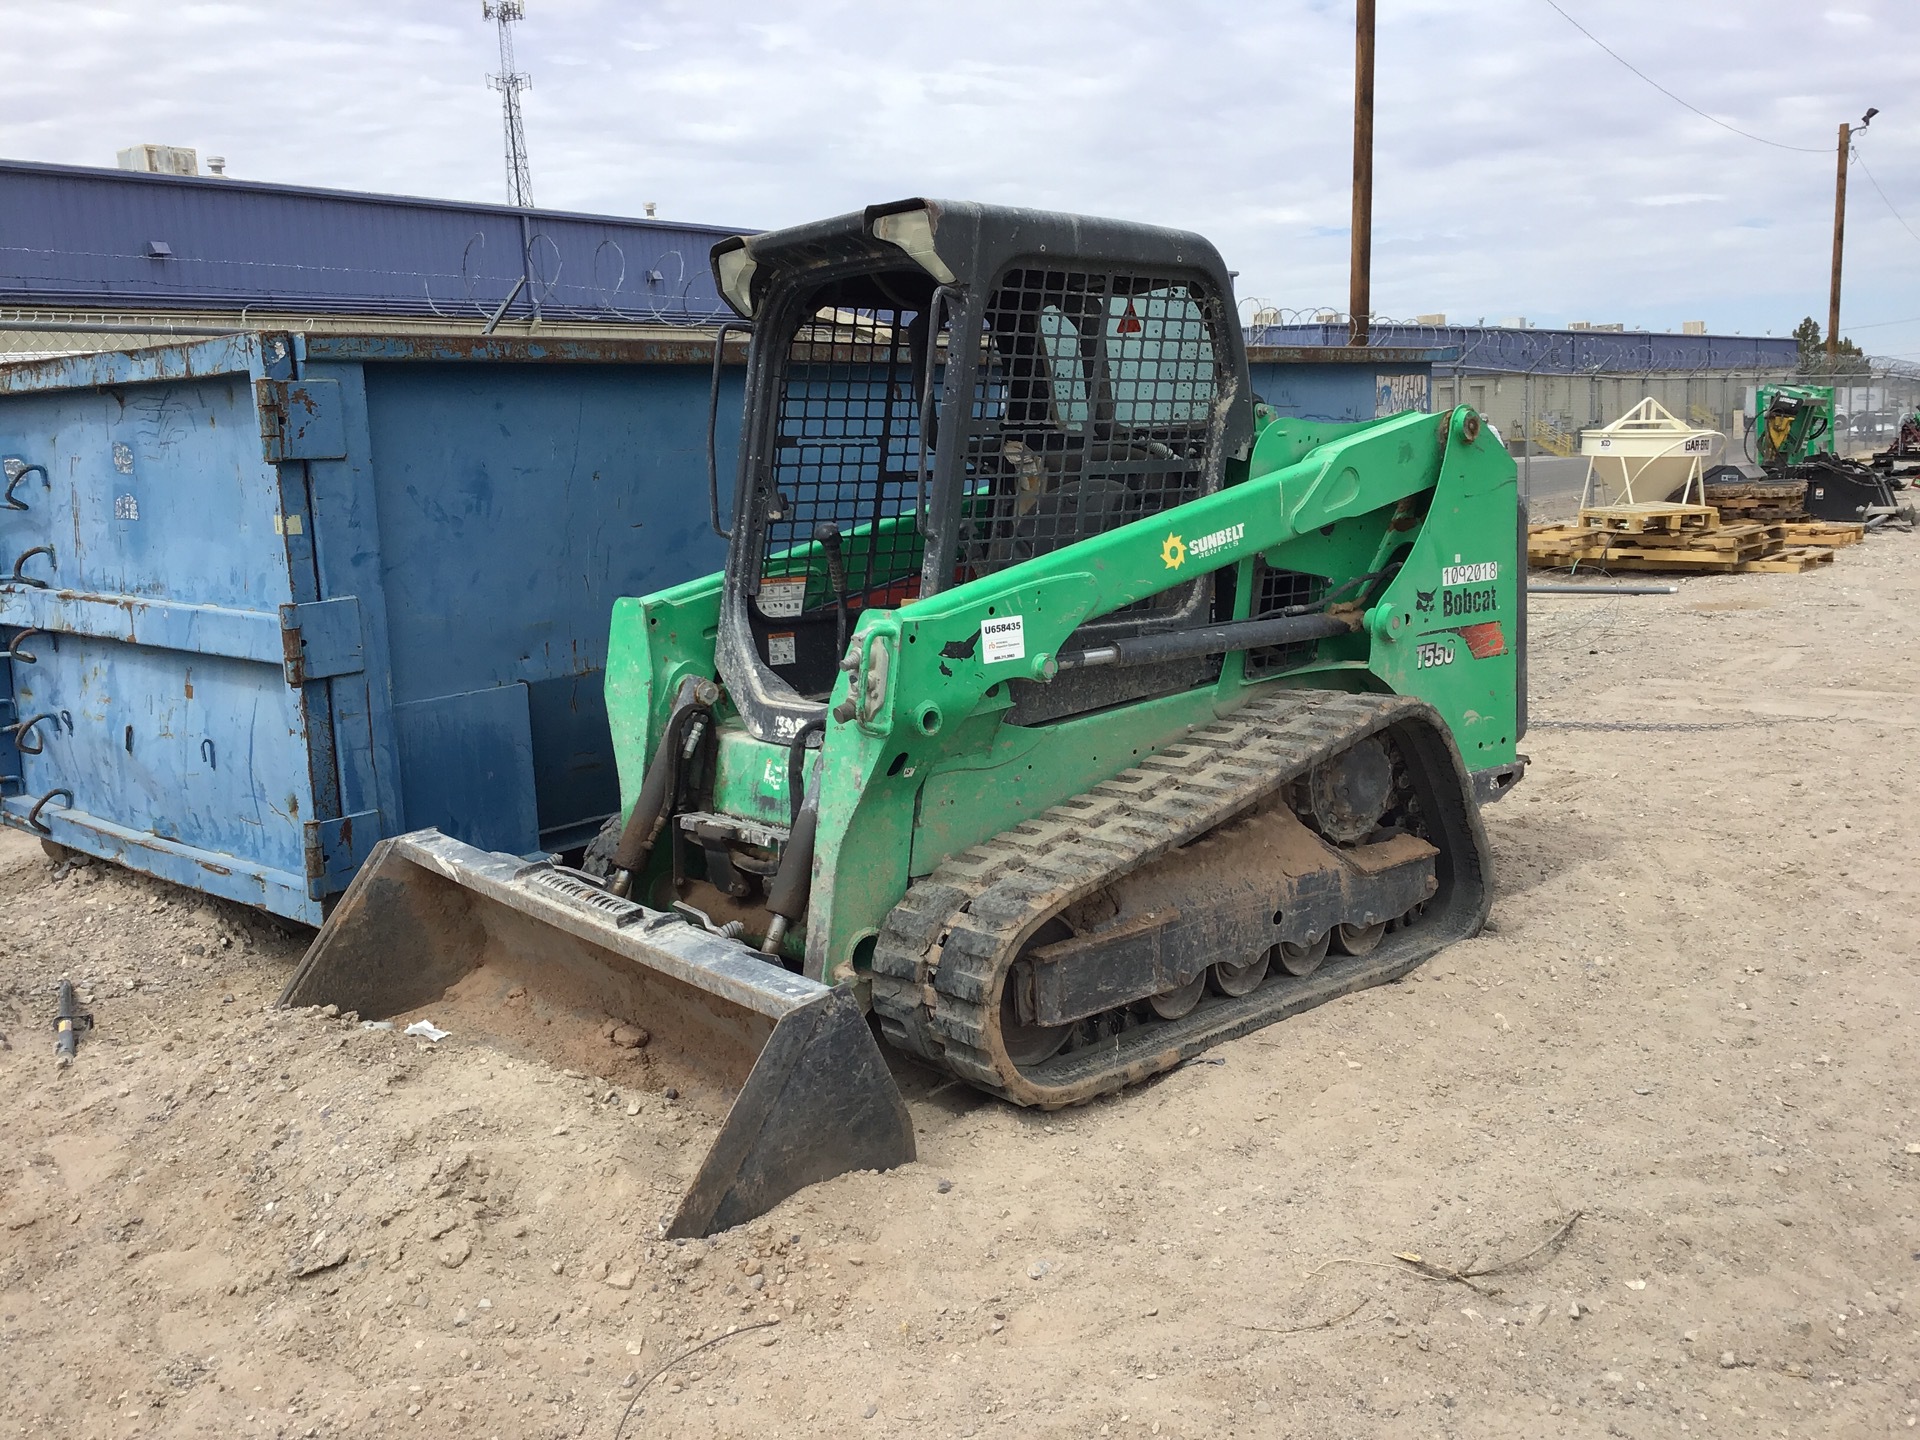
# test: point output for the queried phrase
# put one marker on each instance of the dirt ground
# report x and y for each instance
(1690, 1025)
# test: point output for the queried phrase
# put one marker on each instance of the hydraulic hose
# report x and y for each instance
(686, 727)
(796, 765)
(787, 893)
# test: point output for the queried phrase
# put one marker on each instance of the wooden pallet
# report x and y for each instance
(1699, 562)
(1747, 536)
(1742, 549)
(1789, 562)
(1557, 546)
(1629, 557)
(1649, 517)
(1832, 534)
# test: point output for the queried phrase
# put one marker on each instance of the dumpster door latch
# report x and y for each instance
(301, 420)
(321, 639)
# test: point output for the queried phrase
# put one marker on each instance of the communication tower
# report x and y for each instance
(510, 82)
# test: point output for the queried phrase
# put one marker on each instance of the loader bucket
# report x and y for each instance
(535, 958)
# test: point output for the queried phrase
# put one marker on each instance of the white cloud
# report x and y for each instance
(1519, 169)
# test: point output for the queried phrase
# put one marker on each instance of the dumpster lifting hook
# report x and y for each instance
(14, 477)
(16, 654)
(20, 728)
(33, 815)
(17, 578)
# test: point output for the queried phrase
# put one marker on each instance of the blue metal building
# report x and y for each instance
(77, 237)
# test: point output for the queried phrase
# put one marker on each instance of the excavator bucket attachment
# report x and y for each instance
(536, 958)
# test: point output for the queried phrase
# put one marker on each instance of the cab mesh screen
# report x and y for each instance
(846, 444)
(1094, 408)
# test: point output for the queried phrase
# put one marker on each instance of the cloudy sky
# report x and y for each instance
(1520, 170)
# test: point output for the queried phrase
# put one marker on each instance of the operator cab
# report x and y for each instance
(1105, 383)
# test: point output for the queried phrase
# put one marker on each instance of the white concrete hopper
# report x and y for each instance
(1647, 455)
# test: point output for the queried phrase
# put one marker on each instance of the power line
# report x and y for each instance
(1744, 134)
(1883, 200)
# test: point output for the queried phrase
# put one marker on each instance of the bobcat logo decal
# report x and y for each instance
(1423, 600)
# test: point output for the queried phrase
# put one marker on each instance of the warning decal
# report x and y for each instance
(783, 599)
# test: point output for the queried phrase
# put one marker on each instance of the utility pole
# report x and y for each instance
(1360, 281)
(1839, 241)
(510, 82)
(1839, 245)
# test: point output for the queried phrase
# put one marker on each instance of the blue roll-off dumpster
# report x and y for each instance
(269, 598)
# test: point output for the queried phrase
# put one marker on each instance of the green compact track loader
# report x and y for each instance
(1062, 711)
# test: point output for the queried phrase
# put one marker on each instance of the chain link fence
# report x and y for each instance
(1543, 388)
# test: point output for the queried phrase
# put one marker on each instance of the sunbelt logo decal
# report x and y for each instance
(1174, 550)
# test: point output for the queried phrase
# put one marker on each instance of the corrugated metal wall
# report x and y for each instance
(78, 237)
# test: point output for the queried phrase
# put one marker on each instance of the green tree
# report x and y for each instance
(1850, 362)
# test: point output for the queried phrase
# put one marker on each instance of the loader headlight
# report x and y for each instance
(734, 270)
(912, 231)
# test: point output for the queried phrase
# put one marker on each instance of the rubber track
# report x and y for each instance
(939, 958)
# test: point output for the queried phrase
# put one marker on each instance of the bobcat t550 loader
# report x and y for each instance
(1062, 711)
